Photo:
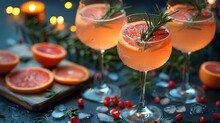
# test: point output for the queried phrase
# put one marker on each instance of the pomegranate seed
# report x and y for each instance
(200, 100)
(112, 110)
(179, 117)
(157, 99)
(202, 120)
(216, 116)
(218, 103)
(74, 120)
(205, 87)
(121, 104)
(80, 102)
(107, 98)
(171, 84)
(106, 103)
(115, 101)
(154, 122)
(128, 104)
(116, 114)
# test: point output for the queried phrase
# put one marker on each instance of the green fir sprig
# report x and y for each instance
(72, 112)
(51, 93)
(41, 120)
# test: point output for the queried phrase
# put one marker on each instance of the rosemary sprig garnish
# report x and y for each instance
(51, 93)
(154, 24)
(72, 112)
(196, 5)
(112, 9)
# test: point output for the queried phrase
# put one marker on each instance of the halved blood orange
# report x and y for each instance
(47, 54)
(72, 74)
(8, 60)
(29, 80)
(209, 74)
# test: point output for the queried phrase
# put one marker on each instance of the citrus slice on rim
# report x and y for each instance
(209, 74)
(72, 74)
(29, 80)
(8, 61)
(47, 54)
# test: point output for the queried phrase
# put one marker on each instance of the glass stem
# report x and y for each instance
(101, 77)
(185, 72)
(142, 105)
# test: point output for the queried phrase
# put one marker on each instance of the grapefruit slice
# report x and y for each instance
(47, 54)
(8, 61)
(71, 75)
(209, 74)
(29, 80)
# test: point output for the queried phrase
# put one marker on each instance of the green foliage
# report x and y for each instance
(41, 120)
(51, 93)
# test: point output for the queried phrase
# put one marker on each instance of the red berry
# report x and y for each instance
(113, 110)
(114, 97)
(218, 103)
(157, 99)
(202, 120)
(20, 41)
(80, 102)
(216, 116)
(171, 84)
(205, 87)
(115, 101)
(179, 117)
(116, 114)
(106, 103)
(154, 122)
(107, 98)
(74, 120)
(121, 104)
(128, 104)
(200, 100)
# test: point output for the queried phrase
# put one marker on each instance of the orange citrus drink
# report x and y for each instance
(95, 32)
(155, 52)
(191, 35)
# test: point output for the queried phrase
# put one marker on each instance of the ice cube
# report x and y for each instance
(170, 109)
(105, 118)
(102, 109)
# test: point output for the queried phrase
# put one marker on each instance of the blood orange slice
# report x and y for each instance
(209, 74)
(47, 54)
(74, 74)
(8, 61)
(29, 80)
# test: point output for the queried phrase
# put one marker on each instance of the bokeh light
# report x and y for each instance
(32, 7)
(73, 28)
(60, 19)
(16, 11)
(53, 20)
(9, 9)
(211, 1)
(68, 5)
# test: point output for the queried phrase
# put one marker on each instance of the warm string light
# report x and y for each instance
(68, 5)
(10, 10)
(32, 7)
(60, 19)
(53, 20)
(73, 28)
(211, 1)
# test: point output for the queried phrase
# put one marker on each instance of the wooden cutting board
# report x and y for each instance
(37, 102)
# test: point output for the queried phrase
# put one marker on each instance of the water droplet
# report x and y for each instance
(82, 116)
(102, 109)
(162, 84)
(105, 118)
(57, 114)
(167, 120)
(165, 101)
(170, 109)
(197, 109)
(60, 107)
(180, 109)
(164, 76)
(113, 76)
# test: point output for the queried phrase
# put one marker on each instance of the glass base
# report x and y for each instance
(148, 115)
(186, 96)
(98, 95)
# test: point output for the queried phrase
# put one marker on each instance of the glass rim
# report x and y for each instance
(138, 39)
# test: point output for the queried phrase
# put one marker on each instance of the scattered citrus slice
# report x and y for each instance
(209, 74)
(8, 61)
(29, 80)
(47, 54)
(73, 74)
